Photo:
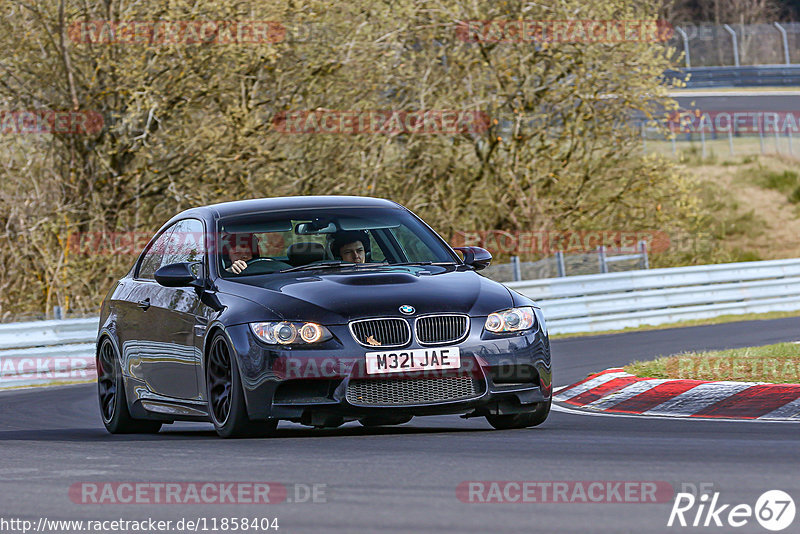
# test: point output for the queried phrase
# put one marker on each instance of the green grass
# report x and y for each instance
(778, 364)
(682, 324)
(729, 217)
(785, 182)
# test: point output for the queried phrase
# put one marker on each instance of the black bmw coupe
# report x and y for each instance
(317, 310)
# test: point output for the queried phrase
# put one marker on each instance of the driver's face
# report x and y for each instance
(239, 249)
(352, 252)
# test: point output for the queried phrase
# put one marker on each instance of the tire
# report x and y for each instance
(226, 404)
(521, 420)
(373, 421)
(111, 395)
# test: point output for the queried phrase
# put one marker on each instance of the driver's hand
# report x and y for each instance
(238, 266)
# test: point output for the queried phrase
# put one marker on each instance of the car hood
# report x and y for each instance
(341, 296)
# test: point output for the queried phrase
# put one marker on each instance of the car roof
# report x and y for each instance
(255, 205)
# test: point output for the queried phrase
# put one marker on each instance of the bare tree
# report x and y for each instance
(193, 124)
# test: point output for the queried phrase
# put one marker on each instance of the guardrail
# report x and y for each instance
(614, 301)
(49, 352)
(747, 76)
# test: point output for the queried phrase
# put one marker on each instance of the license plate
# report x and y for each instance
(402, 361)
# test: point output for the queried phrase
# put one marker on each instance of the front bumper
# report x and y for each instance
(509, 373)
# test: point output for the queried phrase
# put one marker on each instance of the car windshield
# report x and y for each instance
(308, 239)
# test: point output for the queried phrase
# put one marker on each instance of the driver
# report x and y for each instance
(350, 247)
(240, 250)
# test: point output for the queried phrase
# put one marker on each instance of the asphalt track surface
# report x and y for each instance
(404, 479)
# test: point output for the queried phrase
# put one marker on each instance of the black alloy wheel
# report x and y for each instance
(111, 394)
(226, 404)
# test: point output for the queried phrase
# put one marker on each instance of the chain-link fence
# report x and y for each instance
(737, 44)
(712, 143)
(561, 264)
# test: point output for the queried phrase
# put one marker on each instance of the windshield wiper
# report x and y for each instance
(325, 265)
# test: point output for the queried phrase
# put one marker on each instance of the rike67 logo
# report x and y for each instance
(774, 510)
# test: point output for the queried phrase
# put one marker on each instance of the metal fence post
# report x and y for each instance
(761, 137)
(777, 139)
(785, 42)
(789, 137)
(515, 267)
(685, 46)
(735, 44)
(643, 251)
(703, 141)
(601, 255)
(57, 313)
(730, 138)
(560, 267)
(644, 139)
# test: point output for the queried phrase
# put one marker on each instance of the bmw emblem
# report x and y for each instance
(405, 309)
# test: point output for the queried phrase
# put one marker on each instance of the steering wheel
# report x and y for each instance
(251, 261)
(264, 265)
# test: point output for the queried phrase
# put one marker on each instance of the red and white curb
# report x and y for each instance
(615, 391)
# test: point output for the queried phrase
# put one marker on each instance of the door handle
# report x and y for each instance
(144, 304)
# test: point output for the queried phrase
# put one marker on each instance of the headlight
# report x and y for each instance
(513, 320)
(286, 333)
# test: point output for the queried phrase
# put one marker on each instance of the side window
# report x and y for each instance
(186, 242)
(154, 256)
(183, 241)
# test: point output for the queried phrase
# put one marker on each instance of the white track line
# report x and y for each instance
(562, 409)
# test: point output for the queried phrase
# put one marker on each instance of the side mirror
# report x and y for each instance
(176, 275)
(476, 257)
